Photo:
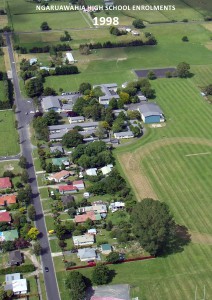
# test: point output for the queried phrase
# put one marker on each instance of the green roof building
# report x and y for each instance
(60, 160)
(9, 235)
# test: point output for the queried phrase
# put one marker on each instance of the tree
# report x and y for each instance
(101, 274)
(208, 89)
(34, 87)
(24, 176)
(21, 243)
(2, 294)
(49, 91)
(125, 97)
(31, 212)
(84, 49)
(113, 257)
(8, 173)
(153, 225)
(185, 38)
(33, 233)
(72, 139)
(22, 162)
(138, 23)
(37, 248)
(84, 86)
(75, 282)
(151, 75)
(44, 26)
(52, 118)
(183, 70)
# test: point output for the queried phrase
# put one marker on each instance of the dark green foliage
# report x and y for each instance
(185, 39)
(31, 212)
(208, 89)
(153, 225)
(72, 139)
(37, 248)
(19, 269)
(22, 162)
(51, 118)
(44, 26)
(75, 282)
(183, 70)
(101, 274)
(66, 70)
(34, 87)
(138, 23)
(49, 91)
(66, 37)
(24, 176)
(113, 257)
(115, 31)
(84, 86)
(151, 75)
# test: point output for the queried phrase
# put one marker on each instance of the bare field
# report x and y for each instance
(3, 21)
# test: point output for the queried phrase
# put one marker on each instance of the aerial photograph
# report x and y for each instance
(106, 149)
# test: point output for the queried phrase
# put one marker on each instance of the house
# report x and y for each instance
(66, 199)
(69, 57)
(96, 208)
(51, 103)
(114, 206)
(67, 107)
(109, 91)
(151, 113)
(67, 189)
(110, 292)
(15, 258)
(55, 149)
(88, 215)
(9, 235)
(59, 161)
(106, 249)
(92, 231)
(7, 199)
(66, 127)
(91, 172)
(76, 119)
(10, 277)
(82, 240)
(59, 176)
(107, 169)
(18, 286)
(5, 217)
(87, 254)
(124, 135)
(33, 61)
(5, 183)
(79, 184)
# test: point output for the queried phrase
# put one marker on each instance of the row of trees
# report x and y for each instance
(44, 49)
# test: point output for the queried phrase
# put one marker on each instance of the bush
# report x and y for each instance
(70, 264)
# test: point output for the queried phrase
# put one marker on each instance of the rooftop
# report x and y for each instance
(9, 235)
(5, 217)
(50, 102)
(9, 199)
(5, 183)
(67, 188)
(149, 109)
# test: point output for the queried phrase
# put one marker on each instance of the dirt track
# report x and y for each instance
(131, 164)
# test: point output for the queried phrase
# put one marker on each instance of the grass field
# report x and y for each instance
(8, 134)
(11, 165)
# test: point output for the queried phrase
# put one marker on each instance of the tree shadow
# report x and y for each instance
(181, 238)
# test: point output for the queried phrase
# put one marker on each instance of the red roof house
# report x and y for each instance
(7, 199)
(79, 184)
(5, 217)
(66, 189)
(5, 183)
(85, 217)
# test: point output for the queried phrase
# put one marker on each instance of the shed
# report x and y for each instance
(15, 258)
(106, 248)
(69, 57)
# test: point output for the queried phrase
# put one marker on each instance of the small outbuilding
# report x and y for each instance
(15, 258)
(106, 248)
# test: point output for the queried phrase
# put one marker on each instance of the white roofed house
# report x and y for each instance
(16, 284)
(76, 119)
(91, 172)
(114, 206)
(107, 169)
(83, 240)
(124, 135)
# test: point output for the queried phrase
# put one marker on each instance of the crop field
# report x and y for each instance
(8, 134)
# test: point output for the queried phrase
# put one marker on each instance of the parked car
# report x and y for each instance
(46, 269)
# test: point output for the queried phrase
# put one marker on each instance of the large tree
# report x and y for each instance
(72, 139)
(31, 212)
(101, 274)
(34, 87)
(183, 70)
(153, 225)
(138, 23)
(76, 284)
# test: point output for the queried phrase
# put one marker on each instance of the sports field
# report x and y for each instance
(8, 134)
(173, 164)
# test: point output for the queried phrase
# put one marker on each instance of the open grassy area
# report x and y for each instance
(8, 134)
(2, 93)
(9, 165)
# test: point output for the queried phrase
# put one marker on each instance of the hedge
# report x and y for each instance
(18, 269)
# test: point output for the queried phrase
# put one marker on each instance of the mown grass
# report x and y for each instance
(10, 164)
(2, 93)
(8, 134)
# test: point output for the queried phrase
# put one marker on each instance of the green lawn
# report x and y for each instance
(2, 94)
(12, 165)
(49, 222)
(43, 193)
(47, 204)
(8, 134)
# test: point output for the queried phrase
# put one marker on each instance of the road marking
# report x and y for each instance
(201, 153)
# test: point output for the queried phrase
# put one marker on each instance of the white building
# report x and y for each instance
(82, 240)
(91, 172)
(16, 284)
(69, 57)
(107, 169)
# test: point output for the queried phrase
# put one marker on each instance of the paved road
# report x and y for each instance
(23, 120)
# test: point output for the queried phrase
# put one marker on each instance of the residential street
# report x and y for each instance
(26, 149)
